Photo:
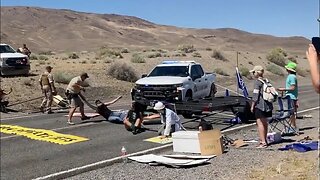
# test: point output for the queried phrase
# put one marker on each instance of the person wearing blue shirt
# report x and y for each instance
(291, 90)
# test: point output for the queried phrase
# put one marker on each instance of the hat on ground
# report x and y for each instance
(158, 106)
(257, 68)
(84, 75)
(291, 66)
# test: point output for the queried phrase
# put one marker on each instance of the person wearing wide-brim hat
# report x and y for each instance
(291, 90)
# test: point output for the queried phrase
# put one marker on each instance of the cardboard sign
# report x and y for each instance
(211, 142)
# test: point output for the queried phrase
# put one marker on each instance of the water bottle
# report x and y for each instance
(123, 154)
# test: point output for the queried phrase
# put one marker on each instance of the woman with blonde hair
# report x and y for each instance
(261, 108)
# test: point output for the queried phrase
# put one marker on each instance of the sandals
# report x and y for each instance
(262, 145)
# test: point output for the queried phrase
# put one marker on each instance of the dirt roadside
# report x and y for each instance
(243, 163)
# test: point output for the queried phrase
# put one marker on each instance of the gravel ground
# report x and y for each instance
(243, 163)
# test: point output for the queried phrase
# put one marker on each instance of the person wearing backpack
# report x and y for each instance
(291, 90)
(260, 107)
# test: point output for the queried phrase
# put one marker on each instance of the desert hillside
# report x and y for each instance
(73, 42)
(65, 30)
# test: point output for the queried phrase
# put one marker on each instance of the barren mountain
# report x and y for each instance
(65, 30)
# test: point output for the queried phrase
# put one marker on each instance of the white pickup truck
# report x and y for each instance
(174, 81)
(12, 62)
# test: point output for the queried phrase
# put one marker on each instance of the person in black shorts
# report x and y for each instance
(261, 108)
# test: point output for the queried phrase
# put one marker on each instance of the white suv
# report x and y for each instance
(12, 62)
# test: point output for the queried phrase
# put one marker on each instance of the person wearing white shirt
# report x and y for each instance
(169, 119)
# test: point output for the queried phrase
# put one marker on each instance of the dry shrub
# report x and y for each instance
(154, 55)
(124, 50)
(48, 53)
(63, 78)
(221, 72)
(218, 55)
(111, 53)
(73, 56)
(244, 71)
(292, 59)
(43, 57)
(33, 57)
(275, 69)
(277, 56)
(137, 58)
(122, 72)
(186, 48)
(196, 54)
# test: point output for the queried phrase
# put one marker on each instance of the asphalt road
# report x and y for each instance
(24, 158)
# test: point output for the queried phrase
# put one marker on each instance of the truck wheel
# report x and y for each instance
(188, 114)
(213, 90)
(243, 112)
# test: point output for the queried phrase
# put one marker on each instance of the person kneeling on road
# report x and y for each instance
(134, 119)
(73, 93)
(169, 119)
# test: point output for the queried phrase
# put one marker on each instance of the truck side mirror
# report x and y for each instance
(143, 75)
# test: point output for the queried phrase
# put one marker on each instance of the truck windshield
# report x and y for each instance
(6, 49)
(180, 71)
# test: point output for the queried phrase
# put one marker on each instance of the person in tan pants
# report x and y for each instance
(48, 89)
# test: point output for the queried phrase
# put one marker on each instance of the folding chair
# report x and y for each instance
(282, 116)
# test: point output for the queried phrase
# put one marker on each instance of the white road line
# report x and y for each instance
(100, 164)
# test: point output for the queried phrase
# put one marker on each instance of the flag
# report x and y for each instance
(241, 84)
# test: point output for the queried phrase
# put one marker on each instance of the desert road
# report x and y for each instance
(25, 158)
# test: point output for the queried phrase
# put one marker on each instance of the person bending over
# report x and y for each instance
(169, 119)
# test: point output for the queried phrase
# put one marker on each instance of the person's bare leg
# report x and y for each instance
(127, 124)
(265, 128)
(71, 111)
(138, 123)
(261, 131)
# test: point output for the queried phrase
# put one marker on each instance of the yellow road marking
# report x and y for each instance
(41, 134)
(158, 140)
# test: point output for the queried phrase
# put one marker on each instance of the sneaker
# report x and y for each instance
(71, 123)
(41, 109)
(141, 129)
(134, 130)
(85, 118)
(49, 112)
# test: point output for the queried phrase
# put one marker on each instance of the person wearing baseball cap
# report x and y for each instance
(48, 89)
(291, 90)
(262, 109)
(259, 69)
(75, 97)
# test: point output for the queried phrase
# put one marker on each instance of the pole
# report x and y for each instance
(24, 101)
(237, 67)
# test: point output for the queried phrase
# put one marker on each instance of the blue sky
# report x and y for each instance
(274, 17)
